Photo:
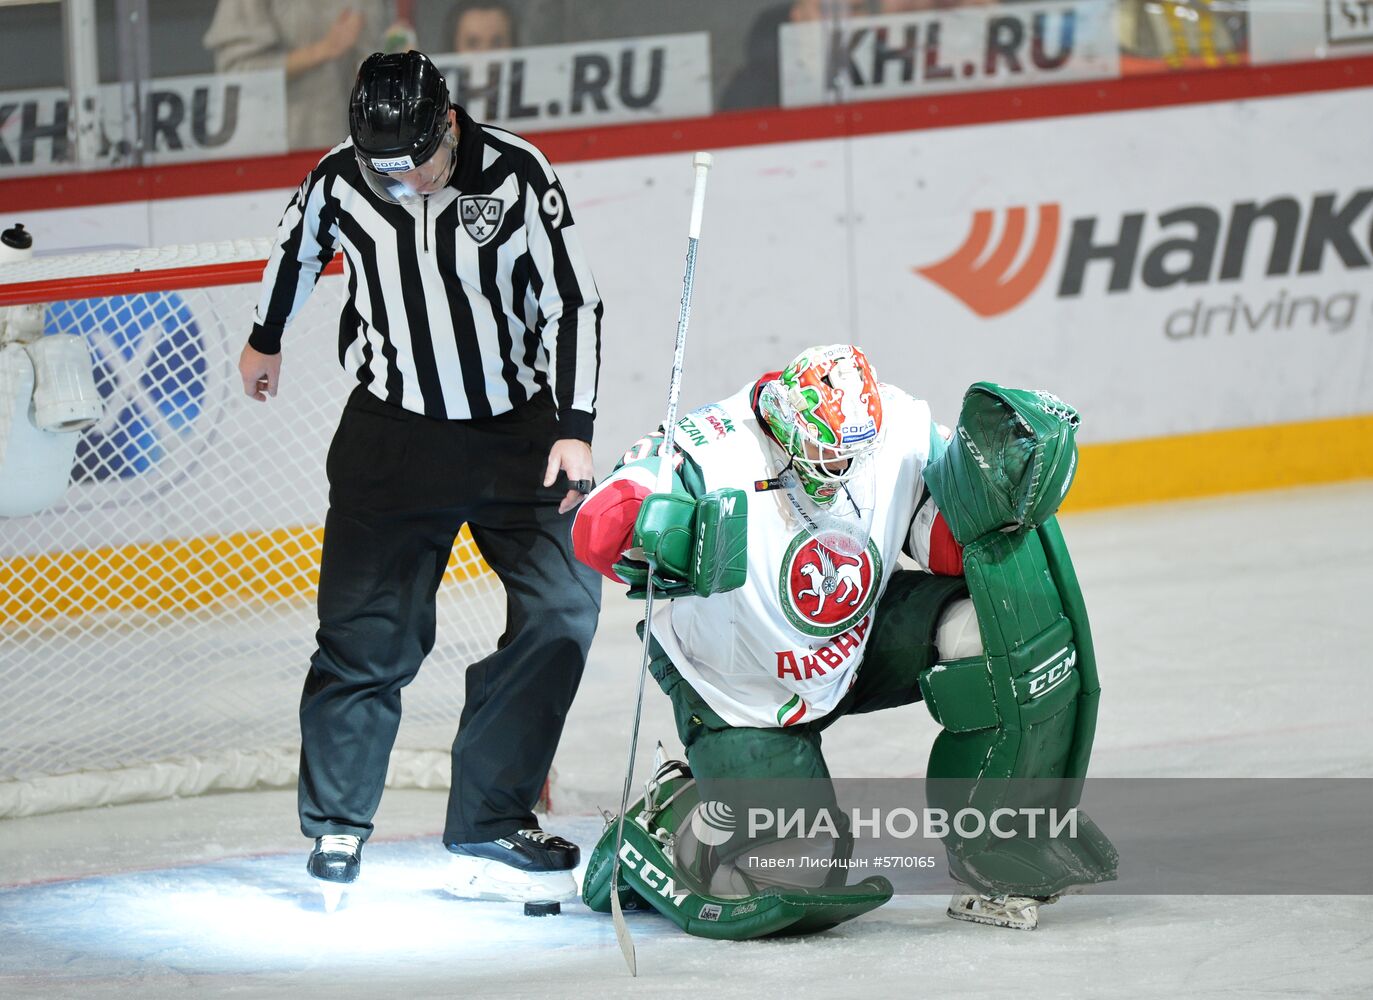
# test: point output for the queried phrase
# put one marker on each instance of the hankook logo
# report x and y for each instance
(983, 281)
(1196, 244)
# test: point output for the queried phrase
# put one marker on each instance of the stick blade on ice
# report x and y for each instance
(622, 931)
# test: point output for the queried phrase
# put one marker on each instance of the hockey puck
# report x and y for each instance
(548, 909)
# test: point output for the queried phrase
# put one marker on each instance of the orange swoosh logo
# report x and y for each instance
(988, 288)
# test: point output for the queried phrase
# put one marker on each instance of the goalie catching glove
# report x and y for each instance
(1010, 465)
(696, 547)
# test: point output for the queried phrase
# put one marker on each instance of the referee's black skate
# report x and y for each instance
(336, 862)
(522, 866)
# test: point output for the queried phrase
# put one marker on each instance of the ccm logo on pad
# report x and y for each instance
(1055, 675)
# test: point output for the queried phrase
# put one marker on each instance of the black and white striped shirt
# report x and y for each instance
(463, 304)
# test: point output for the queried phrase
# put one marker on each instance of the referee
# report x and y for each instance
(473, 329)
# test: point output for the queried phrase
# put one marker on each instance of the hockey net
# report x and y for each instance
(156, 624)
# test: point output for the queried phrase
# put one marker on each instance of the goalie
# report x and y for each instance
(791, 502)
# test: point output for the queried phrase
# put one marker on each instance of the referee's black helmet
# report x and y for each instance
(397, 115)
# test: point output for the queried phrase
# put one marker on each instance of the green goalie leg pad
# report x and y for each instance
(1019, 720)
(649, 873)
(1089, 690)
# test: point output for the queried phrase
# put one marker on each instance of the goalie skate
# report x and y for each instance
(480, 878)
(1017, 912)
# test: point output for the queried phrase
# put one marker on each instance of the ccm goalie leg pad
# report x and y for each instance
(1019, 718)
(667, 861)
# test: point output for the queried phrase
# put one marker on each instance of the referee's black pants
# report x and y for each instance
(400, 487)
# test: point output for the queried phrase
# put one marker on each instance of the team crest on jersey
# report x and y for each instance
(481, 216)
(823, 593)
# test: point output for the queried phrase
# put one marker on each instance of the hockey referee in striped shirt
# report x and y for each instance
(473, 327)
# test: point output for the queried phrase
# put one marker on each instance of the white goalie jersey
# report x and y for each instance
(784, 648)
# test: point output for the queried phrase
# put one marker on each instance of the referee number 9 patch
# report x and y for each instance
(553, 204)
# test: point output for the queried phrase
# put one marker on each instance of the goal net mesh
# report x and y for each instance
(157, 623)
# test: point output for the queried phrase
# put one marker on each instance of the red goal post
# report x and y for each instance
(156, 623)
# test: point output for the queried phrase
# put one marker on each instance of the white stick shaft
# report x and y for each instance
(701, 162)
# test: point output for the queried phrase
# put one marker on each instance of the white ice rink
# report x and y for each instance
(1233, 637)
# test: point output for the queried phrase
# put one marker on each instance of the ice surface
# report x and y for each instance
(255, 925)
(1232, 636)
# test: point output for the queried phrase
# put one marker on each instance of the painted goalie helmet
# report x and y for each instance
(825, 410)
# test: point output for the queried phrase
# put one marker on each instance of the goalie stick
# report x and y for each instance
(701, 162)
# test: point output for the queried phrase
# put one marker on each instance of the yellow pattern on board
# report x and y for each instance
(1215, 462)
(194, 573)
(180, 574)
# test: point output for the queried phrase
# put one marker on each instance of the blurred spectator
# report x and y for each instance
(1160, 35)
(319, 44)
(479, 26)
(757, 84)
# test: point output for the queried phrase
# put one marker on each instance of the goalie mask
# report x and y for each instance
(398, 117)
(825, 410)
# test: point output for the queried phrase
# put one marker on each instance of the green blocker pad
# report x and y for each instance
(649, 876)
(698, 547)
(720, 560)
